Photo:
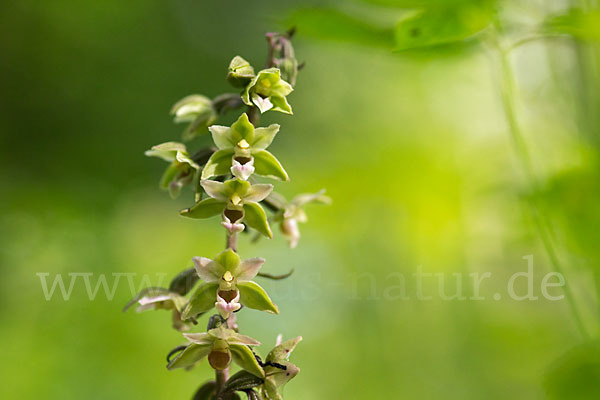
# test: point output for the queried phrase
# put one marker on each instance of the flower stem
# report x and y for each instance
(507, 82)
(221, 376)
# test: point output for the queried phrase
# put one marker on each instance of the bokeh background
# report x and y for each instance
(413, 147)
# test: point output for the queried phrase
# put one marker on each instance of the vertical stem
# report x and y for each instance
(542, 225)
(232, 241)
(221, 377)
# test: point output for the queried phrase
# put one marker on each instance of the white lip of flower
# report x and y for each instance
(227, 308)
(242, 171)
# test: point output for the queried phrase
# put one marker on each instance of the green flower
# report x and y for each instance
(221, 346)
(278, 370)
(198, 111)
(242, 151)
(268, 91)
(156, 298)
(228, 286)
(182, 169)
(240, 72)
(292, 213)
(237, 201)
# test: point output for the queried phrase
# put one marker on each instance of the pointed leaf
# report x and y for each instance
(218, 164)
(256, 218)
(202, 300)
(205, 209)
(191, 355)
(253, 296)
(266, 164)
(243, 356)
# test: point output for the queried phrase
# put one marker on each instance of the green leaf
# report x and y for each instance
(205, 209)
(331, 24)
(253, 296)
(282, 352)
(191, 355)
(435, 27)
(266, 164)
(256, 218)
(243, 356)
(242, 380)
(584, 25)
(202, 300)
(206, 391)
(218, 164)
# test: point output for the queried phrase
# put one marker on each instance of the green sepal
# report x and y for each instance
(228, 259)
(204, 209)
(170, 173)
(242, 380)
(281, 104)
(282, 352)
(266, 164)
(202, 300)
(218, 164)
(256, 218)
(244, 357)
(191, 355)
(253, 296)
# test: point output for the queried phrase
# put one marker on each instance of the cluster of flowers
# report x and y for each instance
(225, 185)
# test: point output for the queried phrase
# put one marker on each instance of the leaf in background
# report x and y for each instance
(578, 23)
(576, 375)
(331, 24)
(441, 26)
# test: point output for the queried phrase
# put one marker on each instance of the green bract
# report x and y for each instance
(221, 345)
(268, 91)
(242, 151)
(234, 196)
(276, 376)
(182, 169)
(230, 280)
(198, 111)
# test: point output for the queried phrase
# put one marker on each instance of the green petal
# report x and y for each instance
(228, 259)
(282, 352)
(221, 135)
(266, 164)
(244, 357)
(202, 300)
(253, 296)
(218, 164)
(191, 355)
(280, 104)
(205, 209)
(256, 218)
(263, 137)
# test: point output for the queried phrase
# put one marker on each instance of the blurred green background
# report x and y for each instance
(413, 147)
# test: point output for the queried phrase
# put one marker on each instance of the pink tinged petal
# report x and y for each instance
(199, 338)
(249, 268)
(154, 299)
(207, 269)
(289, 228)
(214, 189)
(232, 228)
(258, 192)
(242, 171)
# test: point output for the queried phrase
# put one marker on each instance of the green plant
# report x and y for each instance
(225, 184)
